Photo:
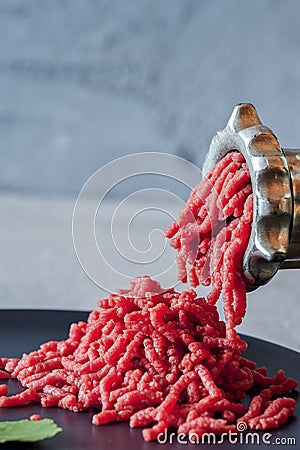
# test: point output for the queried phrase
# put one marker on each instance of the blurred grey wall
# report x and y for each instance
(84, 81)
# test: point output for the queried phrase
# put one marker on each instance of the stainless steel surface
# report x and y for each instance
(293, 256)
(275, 176)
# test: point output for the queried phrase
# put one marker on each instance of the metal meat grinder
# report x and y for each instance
(275, 174)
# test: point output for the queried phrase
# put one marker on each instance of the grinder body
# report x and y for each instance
(275, 175)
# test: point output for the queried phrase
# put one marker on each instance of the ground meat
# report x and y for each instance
(160, 358)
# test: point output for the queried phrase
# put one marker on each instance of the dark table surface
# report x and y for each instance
(23, 331)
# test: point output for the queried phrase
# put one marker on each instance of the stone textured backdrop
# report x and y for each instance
(85, 81)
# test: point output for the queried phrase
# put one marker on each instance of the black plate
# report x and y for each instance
(23, 331)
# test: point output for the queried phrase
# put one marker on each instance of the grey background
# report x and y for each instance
(83, 82)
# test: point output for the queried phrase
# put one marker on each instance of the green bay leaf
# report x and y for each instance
(28, 431)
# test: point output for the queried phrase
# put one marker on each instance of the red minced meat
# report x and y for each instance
(160, 358)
